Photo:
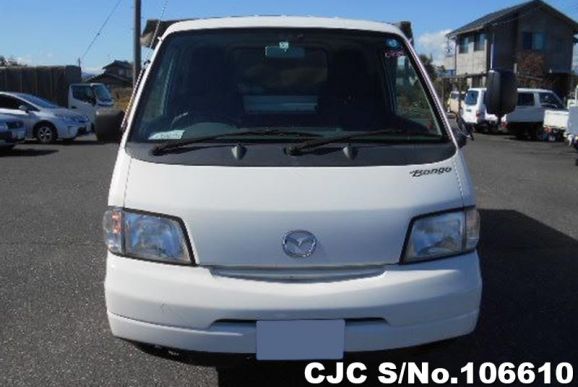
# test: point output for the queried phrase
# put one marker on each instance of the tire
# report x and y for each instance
(536, 132)
(518, 131)
(45, 133)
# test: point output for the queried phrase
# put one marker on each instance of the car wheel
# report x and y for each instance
(46, 134)
(536, 133)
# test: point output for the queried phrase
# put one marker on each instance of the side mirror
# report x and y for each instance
(501, 92)
(24, 108)
(108, 125)
(462, 132)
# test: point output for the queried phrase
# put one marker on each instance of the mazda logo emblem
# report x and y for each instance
(299, 244)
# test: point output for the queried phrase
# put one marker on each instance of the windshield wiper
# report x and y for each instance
(176, 144)
(298, 148)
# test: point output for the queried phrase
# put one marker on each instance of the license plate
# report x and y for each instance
(300, 339)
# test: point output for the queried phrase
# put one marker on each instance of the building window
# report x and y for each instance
(464, 42)
(480, 42)
(533, 41)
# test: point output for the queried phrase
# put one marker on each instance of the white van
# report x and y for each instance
(289, 187)
(527, 120)
(475, 114)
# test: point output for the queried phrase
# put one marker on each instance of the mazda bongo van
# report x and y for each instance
(289, 188)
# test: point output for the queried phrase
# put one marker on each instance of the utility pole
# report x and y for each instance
(136, 42)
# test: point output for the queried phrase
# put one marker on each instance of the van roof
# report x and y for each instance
(281, 22)
(526, 89)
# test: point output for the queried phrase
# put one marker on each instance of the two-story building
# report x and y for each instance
(533, 39)
(117, 74)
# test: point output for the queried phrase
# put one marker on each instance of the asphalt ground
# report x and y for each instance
(53, 327)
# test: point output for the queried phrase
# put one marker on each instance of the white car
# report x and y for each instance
(527, 120)
(42, 119)
(283, 191)
(475, 114)
(12, 131)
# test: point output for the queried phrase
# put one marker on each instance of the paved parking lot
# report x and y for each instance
(53, 328)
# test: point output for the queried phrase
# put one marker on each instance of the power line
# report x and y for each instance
(100, 30)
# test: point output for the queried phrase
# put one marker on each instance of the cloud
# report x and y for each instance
(434, 44)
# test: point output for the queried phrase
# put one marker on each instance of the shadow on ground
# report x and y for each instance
(19, 151)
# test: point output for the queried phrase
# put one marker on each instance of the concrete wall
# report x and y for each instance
(472, 62)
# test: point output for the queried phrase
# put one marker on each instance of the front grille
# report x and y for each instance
(315, 274)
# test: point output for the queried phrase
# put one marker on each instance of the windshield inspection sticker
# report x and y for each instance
(434, 171)
(171, 135)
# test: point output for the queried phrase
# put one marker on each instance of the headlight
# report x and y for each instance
(443, 235)
(65, 118)
(145, 236)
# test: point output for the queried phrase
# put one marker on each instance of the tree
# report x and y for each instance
(430, 68)
(532, 70)
(9, 62)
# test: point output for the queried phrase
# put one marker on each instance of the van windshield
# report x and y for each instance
(325, 83)
(102, 93)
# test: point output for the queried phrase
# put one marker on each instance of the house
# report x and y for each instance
(117, 74)
(533, 39)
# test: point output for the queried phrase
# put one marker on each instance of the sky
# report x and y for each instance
(43, 32)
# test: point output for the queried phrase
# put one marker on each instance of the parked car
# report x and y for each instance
(58, 84)
(12, 131)
(527, 120)
(453, 102)
(475, 114)
(283, 220)
(42, 119)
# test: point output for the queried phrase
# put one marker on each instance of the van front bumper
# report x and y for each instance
(190, 308)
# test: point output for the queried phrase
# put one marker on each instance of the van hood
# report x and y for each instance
(239, 216)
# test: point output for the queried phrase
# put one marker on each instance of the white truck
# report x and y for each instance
(87, 98)
(560, 124)
(527, 120)
(268, 156)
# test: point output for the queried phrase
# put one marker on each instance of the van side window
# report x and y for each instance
(410, 98)
(525, 99)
